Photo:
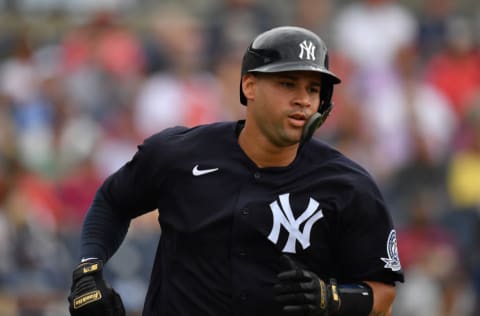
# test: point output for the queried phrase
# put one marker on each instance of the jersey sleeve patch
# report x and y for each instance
(393, 260)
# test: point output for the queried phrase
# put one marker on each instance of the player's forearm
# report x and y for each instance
(103, 231)
(383, 296)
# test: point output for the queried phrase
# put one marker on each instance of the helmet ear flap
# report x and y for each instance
(326, 106)
(318, 118)
(326, 94)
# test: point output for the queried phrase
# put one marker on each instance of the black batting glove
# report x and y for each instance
(90, 295)
(302, 292)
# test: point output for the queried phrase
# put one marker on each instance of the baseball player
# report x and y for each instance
(257, 217)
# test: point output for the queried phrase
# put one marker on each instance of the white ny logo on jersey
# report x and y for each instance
(283, 216)
(307, 48)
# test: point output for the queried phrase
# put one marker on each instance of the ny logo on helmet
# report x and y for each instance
(308, 49)
(283, 216)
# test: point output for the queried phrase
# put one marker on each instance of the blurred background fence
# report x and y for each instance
(83, 82)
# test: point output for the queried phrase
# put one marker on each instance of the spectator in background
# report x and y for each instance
(31, 113)
(433, 19)
(103, 40)
(7, 140)
(103, 62)
(464, 165)
(18, 79)
(314, 15)
(185, 93)
(455, 70)
(410, 125)
(404, 119)
(226, 72)
(115, 143)
(437, 283)
(231, 25)
(368, 35)
(463, 184)
(29, 206)
(369, 32)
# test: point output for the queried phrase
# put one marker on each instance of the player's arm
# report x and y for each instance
(102, 233)
(131, 191)
(383, 297)
(127, 193)
(103, 229)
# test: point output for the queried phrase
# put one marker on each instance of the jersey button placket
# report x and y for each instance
(242, 253)
(257, 176)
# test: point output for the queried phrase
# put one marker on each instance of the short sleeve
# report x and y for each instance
(367, 238)
(135, 188)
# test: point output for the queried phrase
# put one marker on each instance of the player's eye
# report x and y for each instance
(314, 90)
(287, 84)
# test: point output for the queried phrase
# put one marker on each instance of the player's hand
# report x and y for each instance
(302, 292)
(90, 295)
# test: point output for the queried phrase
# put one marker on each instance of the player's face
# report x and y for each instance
(281, 103)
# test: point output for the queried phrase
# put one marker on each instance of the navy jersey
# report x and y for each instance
(225, 222)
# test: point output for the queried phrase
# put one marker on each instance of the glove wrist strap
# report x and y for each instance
(87, 268)
(355, 299)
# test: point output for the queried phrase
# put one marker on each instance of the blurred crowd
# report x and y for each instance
(77, 100)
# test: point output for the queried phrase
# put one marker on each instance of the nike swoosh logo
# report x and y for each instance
(197, 172)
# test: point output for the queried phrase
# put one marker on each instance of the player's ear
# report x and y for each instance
(248, 86)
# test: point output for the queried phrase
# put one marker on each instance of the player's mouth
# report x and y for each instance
(297, 119)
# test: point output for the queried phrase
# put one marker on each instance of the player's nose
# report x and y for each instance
(302, 98)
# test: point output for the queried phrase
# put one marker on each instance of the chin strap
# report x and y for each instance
(314, 122)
